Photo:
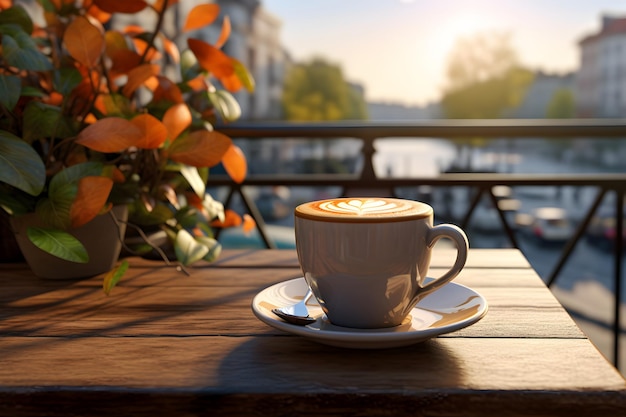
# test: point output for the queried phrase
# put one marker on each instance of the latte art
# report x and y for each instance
(363, 210)
(360, 207)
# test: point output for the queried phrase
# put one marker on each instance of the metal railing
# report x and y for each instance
(368, 182)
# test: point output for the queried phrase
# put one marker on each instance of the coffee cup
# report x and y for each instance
(366, 259)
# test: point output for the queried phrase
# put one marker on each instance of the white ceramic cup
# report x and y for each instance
(366, 259)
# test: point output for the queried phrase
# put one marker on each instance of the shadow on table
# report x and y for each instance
(296, 365)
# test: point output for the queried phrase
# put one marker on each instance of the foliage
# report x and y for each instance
(484, 80)
(89, 118)
(317, 91)
(561, 105)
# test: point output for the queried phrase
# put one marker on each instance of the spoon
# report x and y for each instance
(298, 313)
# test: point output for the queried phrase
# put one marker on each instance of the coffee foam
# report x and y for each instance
(363, 209)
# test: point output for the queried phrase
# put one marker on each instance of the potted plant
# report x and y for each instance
(89, 119)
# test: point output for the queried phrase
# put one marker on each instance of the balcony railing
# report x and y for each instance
(367, 181)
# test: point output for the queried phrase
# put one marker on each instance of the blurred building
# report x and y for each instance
(601, 81)
(254, 41)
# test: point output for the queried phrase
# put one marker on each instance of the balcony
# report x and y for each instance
(476, 191)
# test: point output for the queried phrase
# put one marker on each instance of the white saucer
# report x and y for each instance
(448, 309)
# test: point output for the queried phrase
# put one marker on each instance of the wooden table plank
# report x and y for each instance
(169, 344)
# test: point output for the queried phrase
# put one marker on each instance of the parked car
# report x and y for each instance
(547, 224)
(601, 231)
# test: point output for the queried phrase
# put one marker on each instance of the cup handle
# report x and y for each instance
(459, 238)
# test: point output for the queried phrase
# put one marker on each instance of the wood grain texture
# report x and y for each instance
(168, 344)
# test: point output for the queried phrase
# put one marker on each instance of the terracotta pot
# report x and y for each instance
(102, 237)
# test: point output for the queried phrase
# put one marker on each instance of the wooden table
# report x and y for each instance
(168, 344)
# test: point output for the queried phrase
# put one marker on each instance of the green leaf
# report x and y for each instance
(20, 165)
(73, 174)
(187, 249)
(215, 249)
(58, 243)
(194, 179)
(17, 15)
(66, 79)
(10, 86)
(44, 121)
(244, 75)
(55, 211)
(225, 104)
(113, 277)
(19, 50)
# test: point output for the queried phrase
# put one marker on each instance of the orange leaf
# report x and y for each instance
(137, 76)
(231, 219)
(224, 34)
(177, 118)
(197, 83)
(84, 42)
(211, 59)
(171, 49)
(121, 6)
(248, 223)
(124, 60)
(91, 197)
(166, 89)
(111, 134)
(201, 15)
(231, 82)
(200, 148)
(154, 132)
(234, 162)
(96, 12)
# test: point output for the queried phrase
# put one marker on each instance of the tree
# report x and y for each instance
(561, 105)
(484, 80)
(484, 77)
(317, 90)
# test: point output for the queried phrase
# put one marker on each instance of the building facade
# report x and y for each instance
(601, 80)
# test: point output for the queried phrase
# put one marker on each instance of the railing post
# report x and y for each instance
(619, 236)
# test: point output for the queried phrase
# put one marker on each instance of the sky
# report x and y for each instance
(398, 49)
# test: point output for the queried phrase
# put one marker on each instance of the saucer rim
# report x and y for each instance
(365, 338)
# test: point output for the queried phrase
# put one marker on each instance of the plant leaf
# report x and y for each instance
(177, 118)
(201, 15)
(193, 178)
(244, 75)
(113, 276)
(200, 148)
(187, 249)
(10, 87)
(121, 6)
(17, 15)
(224, 34)
(93, 193)
(153, 131)
(235, 164)
(211, 59)
(44, 121)
(248, 223)
(111, 134)
(84, 42)
(55, 210)
(231, 219)
(213, 245)
(58, 243)
(66, 79)
(225, 104)
(20, 165)
(19, 50)
(139, 75)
